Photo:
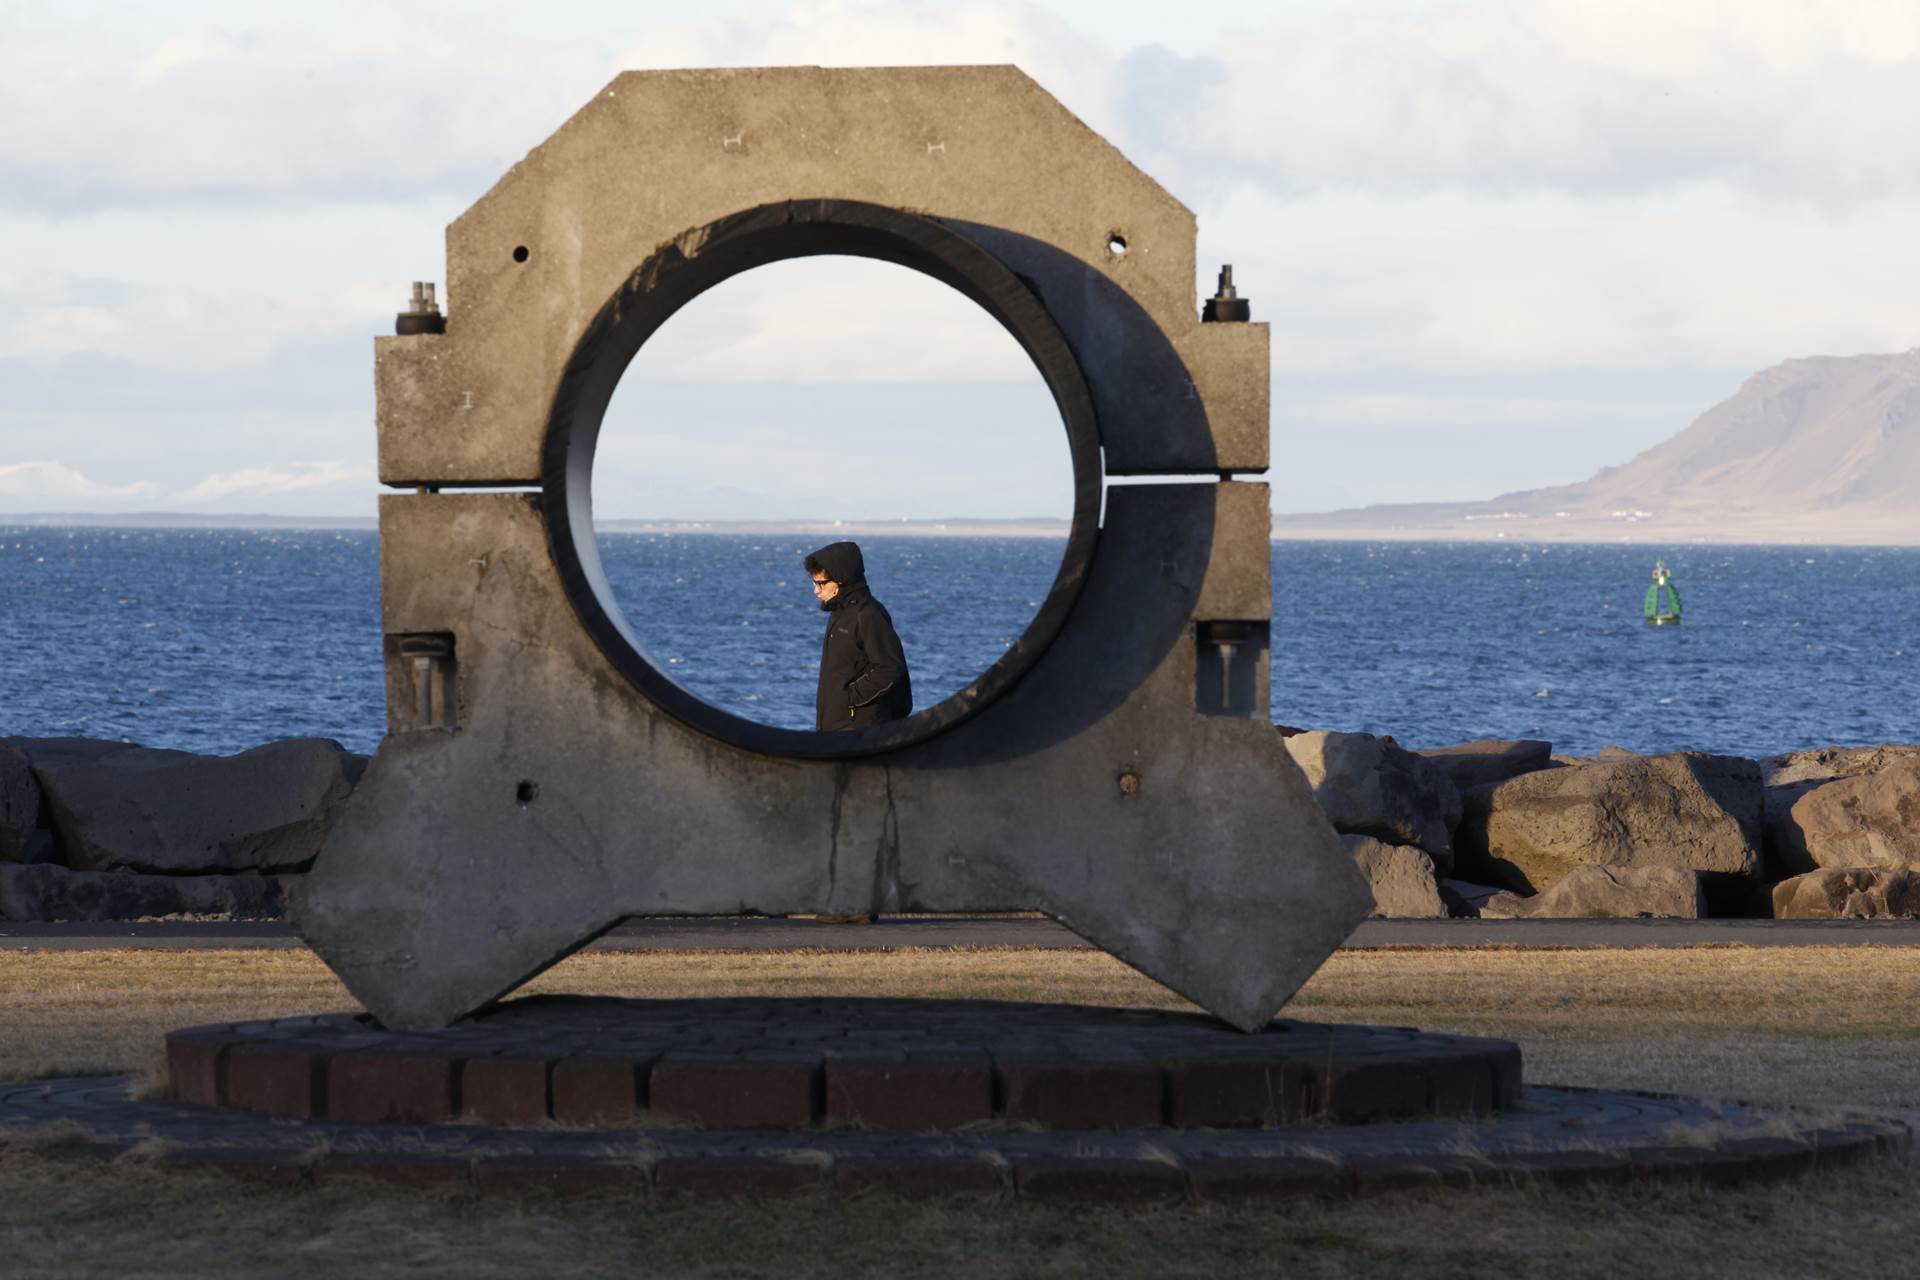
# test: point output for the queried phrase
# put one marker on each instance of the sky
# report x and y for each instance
(1501, 243)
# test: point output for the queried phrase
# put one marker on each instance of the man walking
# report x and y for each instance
(863, 670)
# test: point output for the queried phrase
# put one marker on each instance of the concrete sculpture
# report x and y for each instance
(541, 779)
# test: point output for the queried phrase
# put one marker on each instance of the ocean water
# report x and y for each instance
(218, 640)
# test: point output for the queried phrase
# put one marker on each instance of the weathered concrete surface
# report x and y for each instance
(173, 812)
(1370, 786)
(19, 804)
(1866, 893)
(1400, 876)
(1486, 761)
(1128, 782)
(1867, 820)
(1594, 892)
(439, 889)
(49, 893)
(1687, 810)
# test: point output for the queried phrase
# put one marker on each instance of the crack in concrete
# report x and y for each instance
(886, 860)
(842, 775)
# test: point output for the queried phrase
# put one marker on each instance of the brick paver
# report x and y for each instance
(798, 1064)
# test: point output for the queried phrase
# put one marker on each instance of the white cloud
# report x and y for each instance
(175, 325)
(1787, 99)
(1544, 181)
(1394, 410)
(55, 486)
(386, 101)
(1073, 65)
(263, 482)
(818, 320)
(1413, 192)
(1474, 283)
(47, 485)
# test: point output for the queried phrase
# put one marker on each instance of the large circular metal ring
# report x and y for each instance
(687, 267)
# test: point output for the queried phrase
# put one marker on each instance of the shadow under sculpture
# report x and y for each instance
(542, 780)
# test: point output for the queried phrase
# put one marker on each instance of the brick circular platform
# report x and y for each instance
(901, 1065)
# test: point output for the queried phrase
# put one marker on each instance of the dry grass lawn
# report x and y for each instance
(1804, 1026)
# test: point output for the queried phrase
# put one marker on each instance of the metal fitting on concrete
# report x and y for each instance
(1226, 304)
(429, 659)
(422, 314)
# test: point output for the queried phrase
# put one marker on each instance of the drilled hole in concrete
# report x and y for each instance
(1116, 245)
(527, 792)
(520, 253)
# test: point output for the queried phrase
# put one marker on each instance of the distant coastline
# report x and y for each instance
(1412, 522)
(177, 520)
(951, 527)
(1496, 522)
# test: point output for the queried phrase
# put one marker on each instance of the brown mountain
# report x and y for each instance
(1821, 449)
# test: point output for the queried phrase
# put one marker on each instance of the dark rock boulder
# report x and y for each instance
(1687, 811)
(41, 751)
(1487, 761)
(1867, 820)
(39, 848)
(1609, 893)
(19, 804)
(172, 812)
(1401, 877)
(31, 894)
(1373, 787)
(1848, 893)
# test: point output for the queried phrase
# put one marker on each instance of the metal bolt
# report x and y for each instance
(1226, 304)
(422, 314)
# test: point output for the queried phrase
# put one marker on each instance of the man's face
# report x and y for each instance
(824, 588)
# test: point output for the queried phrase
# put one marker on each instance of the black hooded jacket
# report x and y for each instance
(863, 670)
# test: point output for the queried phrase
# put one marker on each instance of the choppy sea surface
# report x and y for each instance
(218, 640)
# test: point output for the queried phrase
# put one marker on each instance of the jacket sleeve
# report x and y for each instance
(885, 658)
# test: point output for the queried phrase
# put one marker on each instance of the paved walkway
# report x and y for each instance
(729, 933)
(1554, 1135)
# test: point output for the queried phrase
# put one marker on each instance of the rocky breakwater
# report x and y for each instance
(1396, 812)
(113, 831)
(1507, 829)
(1843, 832)
(95, 830)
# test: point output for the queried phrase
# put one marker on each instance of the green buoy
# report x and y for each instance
(1662, 605)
